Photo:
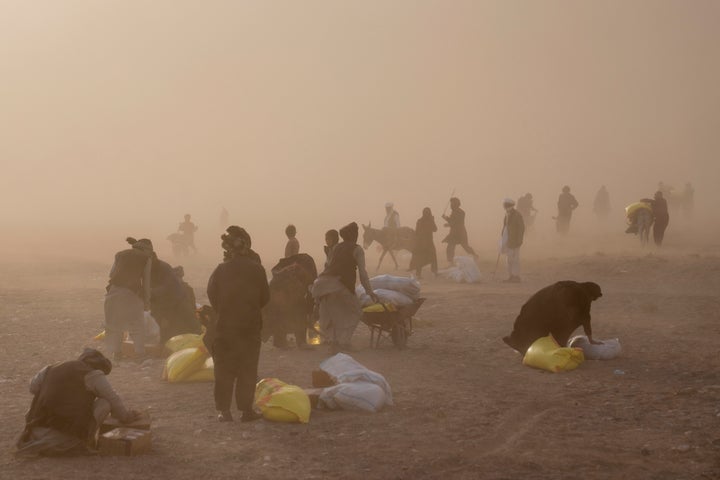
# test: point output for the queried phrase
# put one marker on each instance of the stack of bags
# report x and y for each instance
(190, 360)
(391, 290)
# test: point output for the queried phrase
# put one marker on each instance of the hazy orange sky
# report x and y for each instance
(120, 116)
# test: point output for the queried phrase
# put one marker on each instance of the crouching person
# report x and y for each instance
(72, 399)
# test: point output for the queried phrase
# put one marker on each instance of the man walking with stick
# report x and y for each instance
(511, 239)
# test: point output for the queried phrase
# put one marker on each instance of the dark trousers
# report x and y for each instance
(236, 365)
(659, 230)
(451, 250)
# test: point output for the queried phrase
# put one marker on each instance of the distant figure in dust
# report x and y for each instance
(662, 216)
(424, 252)
(292, 247)
(527, 209)
(392, 217)
(188, 229)
(224, 218)
(512, 235)
(458, 234)
(688, 200)
(566, 204)
(128, 296)
(334, 290)
(601, 205)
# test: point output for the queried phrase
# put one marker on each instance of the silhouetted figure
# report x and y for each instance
(224, 218)
(292, 247)
(601, 205)
(332, 238)
(424, 252)
(527, 209)
(392, 217)
(662, 216)
(169, 306)
(566, 204)
(188, 229)
(512, 235)
(688, 200)
(458, 234)
(237, 290)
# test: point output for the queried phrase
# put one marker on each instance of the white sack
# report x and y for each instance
(344, 369)
(405, 285)
(607, 351)
(363, 396)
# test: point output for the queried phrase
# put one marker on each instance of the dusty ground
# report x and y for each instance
(465, 406)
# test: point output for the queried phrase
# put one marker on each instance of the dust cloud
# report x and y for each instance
(119, 117)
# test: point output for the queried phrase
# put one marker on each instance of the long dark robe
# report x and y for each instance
(424, 252)
(558, 309)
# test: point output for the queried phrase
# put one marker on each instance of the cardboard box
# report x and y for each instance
(321, 379)
(155, 351)
(142, 423)
(125, 442)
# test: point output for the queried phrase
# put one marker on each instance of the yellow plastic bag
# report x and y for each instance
(186, 340)
(546, 354)
(182, 364)
(205, 374)
(634, 207)
(280, 402)
(100, 336)
(380, 307)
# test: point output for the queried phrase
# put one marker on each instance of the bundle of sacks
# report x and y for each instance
(190, 360)
(391, 290)
(356, 387)
(464, 271)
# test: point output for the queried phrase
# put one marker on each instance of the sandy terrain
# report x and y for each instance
(465, 406)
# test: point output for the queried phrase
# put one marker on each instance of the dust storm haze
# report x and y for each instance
(117, 118)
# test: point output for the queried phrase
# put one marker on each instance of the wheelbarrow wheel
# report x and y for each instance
(399, 335)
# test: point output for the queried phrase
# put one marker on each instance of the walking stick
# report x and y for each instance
(452, 194)
(497, 262)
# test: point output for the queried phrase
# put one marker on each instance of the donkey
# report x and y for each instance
(390, 239)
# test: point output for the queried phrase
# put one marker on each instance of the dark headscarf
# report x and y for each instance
(96, 360)
(236, 242)
(427, 213)
(144, 244)
(349, 232)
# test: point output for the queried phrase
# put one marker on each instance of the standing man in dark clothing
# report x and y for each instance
(237, 290)
(566, 204)
(424, 252)
(662, 216)
(128, 296)
(458, 233)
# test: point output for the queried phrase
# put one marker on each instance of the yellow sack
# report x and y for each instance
(100, 336)
(181, 364)
(546, 354)
(634, 207)
(380, 307)
(205, 374)
(281, 402)
(186, 340)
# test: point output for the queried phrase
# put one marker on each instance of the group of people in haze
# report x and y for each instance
(72, 399)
